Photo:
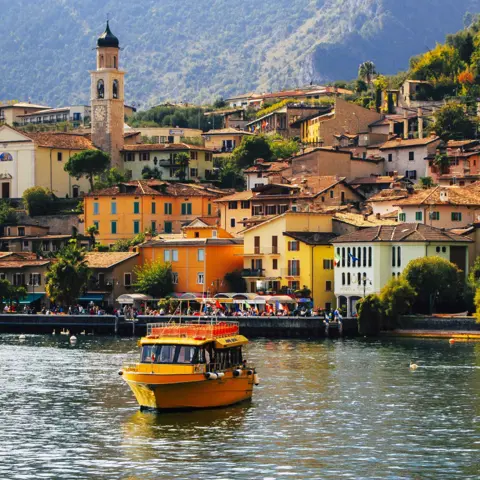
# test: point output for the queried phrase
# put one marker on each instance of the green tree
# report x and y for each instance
(11, 293)
(110, 178)
(452, 122)
(230, 175)
(8, 216)
(426, 182)
(149, 173)
(437, 282)
(367, 71)
(182, 159)
(370, 315)
(88, 163)
(68, 276)
(251, 148)
(154, 278)
(397, 297)
(282, 148)
(37, 200)
(235, 281)
(92, 231)
(477, 304)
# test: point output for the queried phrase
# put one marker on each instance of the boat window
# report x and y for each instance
(171, 354)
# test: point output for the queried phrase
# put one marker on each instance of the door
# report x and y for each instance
(6, 190)
(168, 227)
(458, 257)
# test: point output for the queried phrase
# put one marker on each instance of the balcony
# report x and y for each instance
(253, 272)
(258, 251)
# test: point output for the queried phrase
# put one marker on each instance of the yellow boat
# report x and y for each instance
(190, 365)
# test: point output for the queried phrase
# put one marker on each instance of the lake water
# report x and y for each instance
(324, 410)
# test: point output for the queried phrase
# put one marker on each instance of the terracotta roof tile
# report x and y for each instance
(107, 259)
(403, 232)
(312, 238)
(69, 141)
(389, 194)
(164, 147)
(359, 220)
(411, 142)
(469, 195)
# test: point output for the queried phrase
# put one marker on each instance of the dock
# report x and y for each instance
(255, 326)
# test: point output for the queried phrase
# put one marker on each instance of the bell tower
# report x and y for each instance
(107, 98)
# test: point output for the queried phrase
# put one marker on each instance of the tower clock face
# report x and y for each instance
(100, 113)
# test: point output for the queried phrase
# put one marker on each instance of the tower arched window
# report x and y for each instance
(114, 61)
(115, 89)
(102, 61)
(100, 89)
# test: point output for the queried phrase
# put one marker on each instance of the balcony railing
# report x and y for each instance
(253, 272)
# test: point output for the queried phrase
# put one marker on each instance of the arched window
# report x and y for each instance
(6, 157)
(114, 61)
(100, 89)
(101, 61)
(115, 89)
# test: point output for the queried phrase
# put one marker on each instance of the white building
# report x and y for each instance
(260, 173)
(75, 114)
(406, 157)
(366, 259)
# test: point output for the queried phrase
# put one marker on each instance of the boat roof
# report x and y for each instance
(224, 342)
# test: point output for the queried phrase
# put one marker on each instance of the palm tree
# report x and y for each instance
(366, 71)
(92, 231)
(182, 159)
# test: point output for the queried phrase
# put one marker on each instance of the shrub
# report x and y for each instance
(370, 315)
(37, 200)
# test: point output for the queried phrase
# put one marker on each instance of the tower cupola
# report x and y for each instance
(108, 39)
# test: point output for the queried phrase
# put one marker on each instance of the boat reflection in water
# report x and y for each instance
(190, 365)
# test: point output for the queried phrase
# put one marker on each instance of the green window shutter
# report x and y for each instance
(136, 227)
(114, 227)
(136, 207)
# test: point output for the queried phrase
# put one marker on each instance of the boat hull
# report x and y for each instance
(156, 393)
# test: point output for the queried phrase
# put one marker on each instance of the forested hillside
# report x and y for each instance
(196, 50)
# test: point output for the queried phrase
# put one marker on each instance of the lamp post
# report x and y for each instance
(364, 281)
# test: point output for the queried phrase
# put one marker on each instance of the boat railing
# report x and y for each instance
(197, 329)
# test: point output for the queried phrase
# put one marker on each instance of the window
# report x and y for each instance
(127, 279)
(456, 216)
(411, 174)
(115, 82)
(18, 279)
(402, 217)
(294, 267)
(97, 225)
(232, 223)
(282, 209)
(153, 226)
(257, 210)
(200, 278)
(274, 244)
(167, 227)
(328, 286)
(444, 249)
(331, 193)
(390, 157)
(256, 244)
(399, 256)
(343, 278)
(186, 208)
(194, 172)
(113, 208)
(194, 155)
(145, 156)
(136, 207)
(113, 227)
(349, 278)
(167, 208)
(214, 234)
(96, 208)
(411, 156)
(175, 278)
(129, 157)
(369, 256)
(418, 216)
(327, 264)
(200, 254)
(271, 210)
(435, 216)
(154, 208)
(35, 279)
(394, 261)
(21, 231)
(293, 246)
(136, 227)
(232, 205)
(245, 204)
(275, 264)
(209, 209)
(59, 156)
(167, 256)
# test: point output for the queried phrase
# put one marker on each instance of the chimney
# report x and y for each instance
(405, 124)
(378, 216)
(391, 127)
(420, 122)
(395, 174)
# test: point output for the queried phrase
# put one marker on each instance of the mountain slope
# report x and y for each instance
(196, 50)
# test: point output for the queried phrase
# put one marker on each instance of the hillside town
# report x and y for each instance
(292, 198)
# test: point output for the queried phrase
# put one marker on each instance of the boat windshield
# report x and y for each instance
(181, 354)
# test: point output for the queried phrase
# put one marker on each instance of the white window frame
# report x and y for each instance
(175, 278)
(167, 255)
(174, 255)
(201, 254)
(200, 278)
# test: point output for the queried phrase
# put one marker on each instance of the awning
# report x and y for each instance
(281, 298)
(131, 298)
(230, 341)
(92, 297)
(30, 298)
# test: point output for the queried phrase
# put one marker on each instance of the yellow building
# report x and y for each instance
(38, 159)
(200, 260)
(223, 141)
(290, 251)
(11, 112)
(234, 209)
(123, 211)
